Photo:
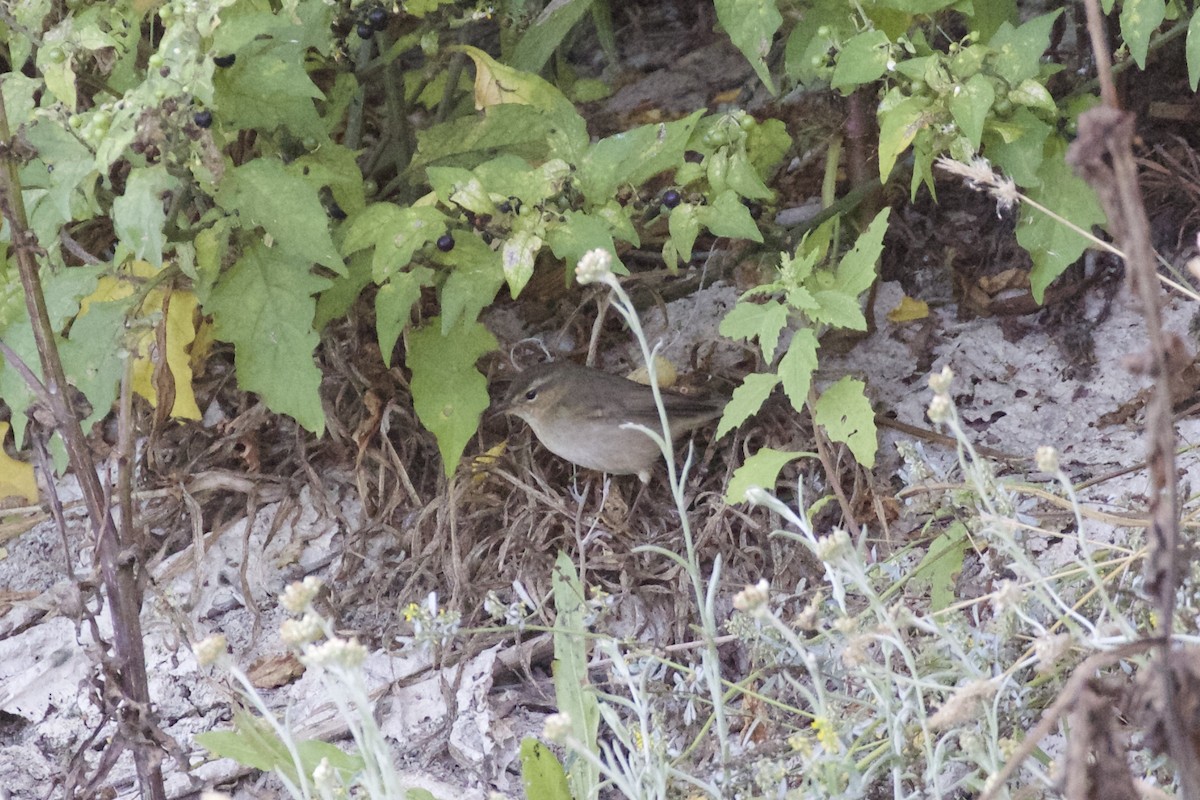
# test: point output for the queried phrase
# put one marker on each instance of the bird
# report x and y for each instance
(578, 412)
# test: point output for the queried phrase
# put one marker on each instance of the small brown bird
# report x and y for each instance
(577, 413)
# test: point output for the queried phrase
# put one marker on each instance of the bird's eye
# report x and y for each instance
(531, 395)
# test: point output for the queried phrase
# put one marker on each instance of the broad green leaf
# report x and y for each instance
(744, 179)
(541, 773)
(863, 59)
(139, 215)
(728, 217)
(266, 193)
(264, 306)
(990, 15)
(580, 233)
(634, 156)
(64, 169)
(510, 176)
(684, 227)
(971, 105)
(335, 166)
(546, 33)
(449, 393)
(572, 687)
(1193, 52)
(511, 128)
(1052, 246)
(940, 567)
(458, 186)
(93, 356)
(751, 26)
(759, 470)
(757, 321)
(917, 6)
(747, 400)
(898, 126)
(835, 307)
(845, 413)
(254, 743)
(1139, 20)
(476, 274)
(797, 366)
(517, 258)
(268, 88)
(336, 301)
(1032, 94)
(395, 233)
(1019, 50)
(393, 306)
(1018, 151)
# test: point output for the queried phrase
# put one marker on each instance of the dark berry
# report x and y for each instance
(505, 207)
(203, 119)
(335, 212)
(365, 31)
(671, 198)
(225, 61)
(445, 243)
(378, 18)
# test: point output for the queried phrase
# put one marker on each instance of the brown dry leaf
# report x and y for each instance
(274, 671)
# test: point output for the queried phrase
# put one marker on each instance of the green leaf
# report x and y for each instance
(458, 186)
(1033, 94)
(541, 773)
(547, 33)
(336, 301)
(335, 166)
(580, 233)
(476, 274)
(139, 215)
(511, 128)
(268, 88)
(751, 26)
(1052, 245)
(757, 321)
(1019, 152)
(845, 413)
(517, 258)
(449, 393)
(747, 400)
(393, 306)
(634, 156)
(572, 690)
(1193, 52)
(264, 305)
(759, 470)
(797, 366)
(728, 217)
(862, 59)
(744, 179)
(64, 168)
(971, 105)
(395, 233)
(268, 194)
(1139, 20)
(1019, 50)
(93, 355)
(254, 743)
(684, 227)
(898, 126)
(856, 272)
(837, 308)
(940, 567)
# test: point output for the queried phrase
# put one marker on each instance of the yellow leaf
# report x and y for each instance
(664, 371)
(16, 477)
(181, 330)
(496, 84)
(481, 462)
(909, 310)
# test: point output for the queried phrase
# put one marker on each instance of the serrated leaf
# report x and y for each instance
(856, 271)
(264, 305)
(476, 274)
(839, 309)
(759, 470)
(266, 193)
(449, 393)
(541, 773)
(139, 214)
(393, 306)
(797, 366)
(395, 233)
(747, 400)
(572, 690)
(17, 478)
(757, 321)
(751, 26)
(846, 415)
(1019, 50)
